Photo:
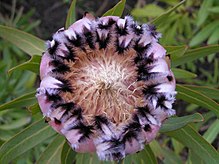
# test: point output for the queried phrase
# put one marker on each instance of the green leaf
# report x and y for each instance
(27, 42)
(169, 2)
(68, 155)
(82, 158)
(127, 160)
(216, 71)
(165, 154)
(71, 17)
(203, 12)
(211, 92)
(194, 141)
(207, 116)
(35, 108)
(214, 9)
(194, 54)
(145, 155)
(22, 101)
(15, 124)
(160, 20)
(187, 26)
(156, 148)
(177, 146)
(204, 33)
(211, 134)
(171, 33)
(176, 51)
(91, 158)
(214, 37)
(175, 123)
(150, 10)
(194, 159)
(170, 157)
(25, 140)
(117, 10)
(32, 65)
(198, 98)
(52, 154)
(6, 135)
(183, 74)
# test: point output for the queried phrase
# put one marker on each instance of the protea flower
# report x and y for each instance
(106, 85)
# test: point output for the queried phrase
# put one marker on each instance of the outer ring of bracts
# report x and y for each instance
(111, 141)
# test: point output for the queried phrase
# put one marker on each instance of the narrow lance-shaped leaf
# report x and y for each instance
(212, 93)
(35, 108)
(194, 54)
(149, 10)
(15, 124)
(214, 9)
(117, 10)
(214, 37)
(82, 158)
(198, 98)
(177, 146)
(203, 11)
(175, 123)
(211, 134)
(194, 158)
(156, 148)
(182, 74)
(160, 152)
(71, 17)
(32, 65)
(176, 51)
(27, 42)
(67, 155)
(170, 157)
(5, 135)
(162, 18)
(127, 160)
(25, 140)
(52, 154)
(145, 155)
(194, 141)
(202, 35)
(22, 101)
(91, 158)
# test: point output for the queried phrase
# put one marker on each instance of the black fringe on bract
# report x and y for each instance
(99, 120)
(103, 42)
(53, 97)
(59, 67)
(86, 131)
(52, 50)
(65, 86)
(89, 37)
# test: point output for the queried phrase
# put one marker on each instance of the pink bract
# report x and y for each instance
(106, 85)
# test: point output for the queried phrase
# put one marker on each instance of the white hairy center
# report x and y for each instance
(105, 84)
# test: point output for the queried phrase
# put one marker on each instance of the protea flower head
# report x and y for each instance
(106, 85)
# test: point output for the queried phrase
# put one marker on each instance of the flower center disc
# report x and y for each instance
(104, 83)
